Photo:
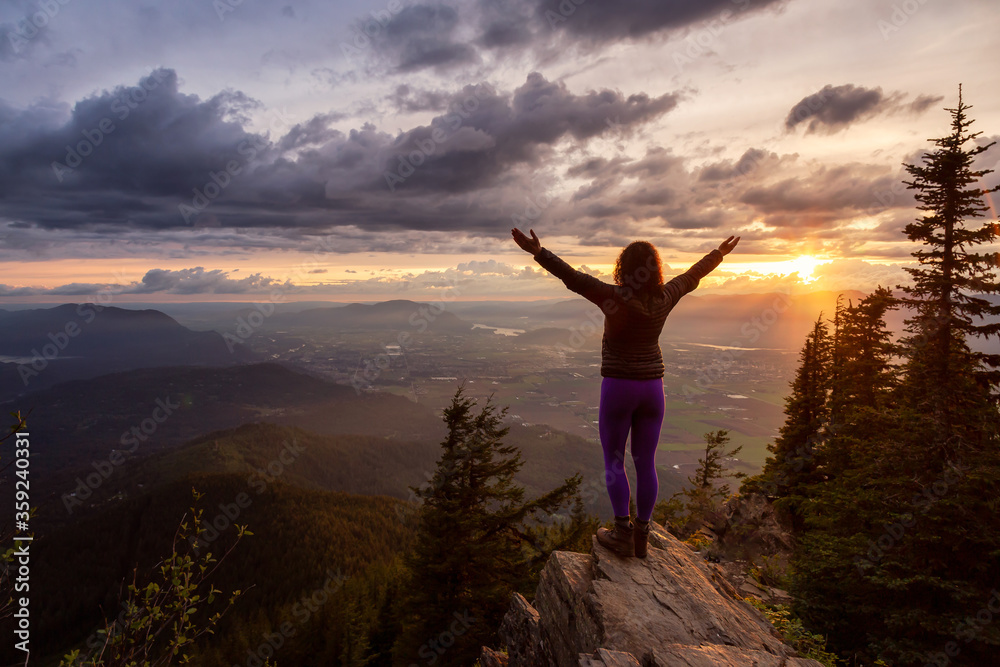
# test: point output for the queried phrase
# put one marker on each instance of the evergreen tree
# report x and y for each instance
(711, 468)
(948, 285)
(794, 461)
(862, 375)
(861, 382)
(705, 494)
(474, 545)
(905, 541)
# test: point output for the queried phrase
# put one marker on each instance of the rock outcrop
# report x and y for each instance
(671, 609)
(750, 528)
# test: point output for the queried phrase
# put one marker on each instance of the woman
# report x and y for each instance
(635, 309)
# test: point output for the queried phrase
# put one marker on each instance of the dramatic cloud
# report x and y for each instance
(189, 134)
(132, 151)
(793, 201)
(152, 157)
(445, 37)
(599, 22)
(160, 281)
(835, 107)
(923, 102)
(424, 36)
(200, 281)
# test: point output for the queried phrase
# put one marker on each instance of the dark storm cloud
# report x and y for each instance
(151, 157)
(313, 132)
(924, 102)
(623, 193)
(545, 110)
(601, 21)
(505, 33)
(725, 171)
(120, 153)
(437, 36)
(423, 36)
(488, 134)
(503, 24)
(836, 107)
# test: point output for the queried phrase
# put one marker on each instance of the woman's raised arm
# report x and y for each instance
(532, 245)
(585, 285)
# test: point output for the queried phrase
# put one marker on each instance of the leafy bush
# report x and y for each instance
(159, 625)
(793, 633)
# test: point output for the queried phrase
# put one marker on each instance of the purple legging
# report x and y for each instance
(636, 405)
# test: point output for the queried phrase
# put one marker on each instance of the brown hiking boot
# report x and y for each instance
(641, 535)
(619, 538)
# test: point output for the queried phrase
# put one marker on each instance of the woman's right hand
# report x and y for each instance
(532, 245)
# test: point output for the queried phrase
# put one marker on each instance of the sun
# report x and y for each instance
(804, 266)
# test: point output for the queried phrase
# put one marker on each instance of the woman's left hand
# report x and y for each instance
(532, 245)
(727, 246)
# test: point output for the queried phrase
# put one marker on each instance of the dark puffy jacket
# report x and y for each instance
(631, 344)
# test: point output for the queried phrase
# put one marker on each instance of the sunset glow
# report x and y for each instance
(803, 266)
(347, 173)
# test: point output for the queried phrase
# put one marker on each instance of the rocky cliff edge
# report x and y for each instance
(671, 609)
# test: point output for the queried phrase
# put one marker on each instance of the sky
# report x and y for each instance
(362, 151)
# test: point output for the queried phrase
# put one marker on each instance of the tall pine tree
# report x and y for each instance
(905, 542)
(862, 374)
(794, 462)
(861, 384)
(949, 285)
(705, 495)
(475, 545)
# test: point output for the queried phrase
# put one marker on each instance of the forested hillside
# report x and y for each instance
(888, 464)
(304, 542)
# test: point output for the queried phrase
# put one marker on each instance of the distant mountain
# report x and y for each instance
(501, 313)
(393, 315)
(45, 346)
(145, 410)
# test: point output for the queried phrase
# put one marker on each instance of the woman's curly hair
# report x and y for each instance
(638, 267)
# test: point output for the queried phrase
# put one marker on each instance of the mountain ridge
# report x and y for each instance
(80, 341)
